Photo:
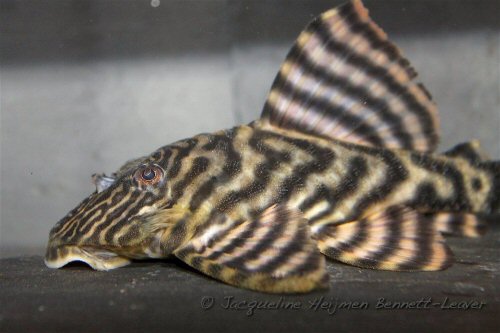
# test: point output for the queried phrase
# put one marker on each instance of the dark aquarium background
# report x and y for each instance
(87, 85)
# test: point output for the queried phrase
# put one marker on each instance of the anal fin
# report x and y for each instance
(398, 239)
(272, 253)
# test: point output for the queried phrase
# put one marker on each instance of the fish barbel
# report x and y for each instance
(340, 164)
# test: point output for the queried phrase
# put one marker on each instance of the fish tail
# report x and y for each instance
(488, 186)
(493, 200)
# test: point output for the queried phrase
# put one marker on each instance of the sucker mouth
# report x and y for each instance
(98, 259)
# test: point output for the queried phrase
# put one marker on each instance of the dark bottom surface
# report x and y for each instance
(168, 296)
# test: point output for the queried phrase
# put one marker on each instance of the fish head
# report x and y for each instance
(111, 226)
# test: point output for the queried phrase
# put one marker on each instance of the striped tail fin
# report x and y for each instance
(493, 203)
(474, 155)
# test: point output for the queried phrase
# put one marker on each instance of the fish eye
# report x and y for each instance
(149, 175)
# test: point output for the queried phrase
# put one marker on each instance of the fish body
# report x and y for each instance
(340, 164)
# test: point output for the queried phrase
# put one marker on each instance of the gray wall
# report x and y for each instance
(86, 85)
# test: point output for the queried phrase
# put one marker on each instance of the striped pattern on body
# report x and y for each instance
(332, 183)
(340, 163)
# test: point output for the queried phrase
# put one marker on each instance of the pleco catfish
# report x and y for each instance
(340, 164)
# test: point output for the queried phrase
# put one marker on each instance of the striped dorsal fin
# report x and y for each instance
(397, 239)
(274, 252)
(343, 79)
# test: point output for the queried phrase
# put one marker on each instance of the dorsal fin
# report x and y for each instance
(343, 79)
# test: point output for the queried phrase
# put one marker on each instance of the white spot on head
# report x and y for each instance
(155, 3)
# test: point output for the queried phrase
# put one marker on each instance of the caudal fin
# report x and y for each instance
(472, 153)
(493, 201)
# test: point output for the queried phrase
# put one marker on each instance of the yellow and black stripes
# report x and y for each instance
(397, 238)
(460, 224)
(331, 183)
(486, 179)
(368, 177)
(270, 175)
(393, 176)
(371, 176)
(341, 163)
(426, 196)
(358, 169)
(343, 79)
(273, 252)
(469, 185)
(493, 201)
(224, 168)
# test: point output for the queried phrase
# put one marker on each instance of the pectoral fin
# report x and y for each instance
(272, 253)
(398, 239)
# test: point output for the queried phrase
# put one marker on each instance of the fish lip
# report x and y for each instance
(98, 259)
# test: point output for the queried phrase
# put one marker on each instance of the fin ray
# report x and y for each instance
(343, 79)
(460, 224)
(272, 253)
(398, 238)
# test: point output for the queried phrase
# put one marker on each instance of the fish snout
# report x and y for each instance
(63, 248)
(58, 256)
